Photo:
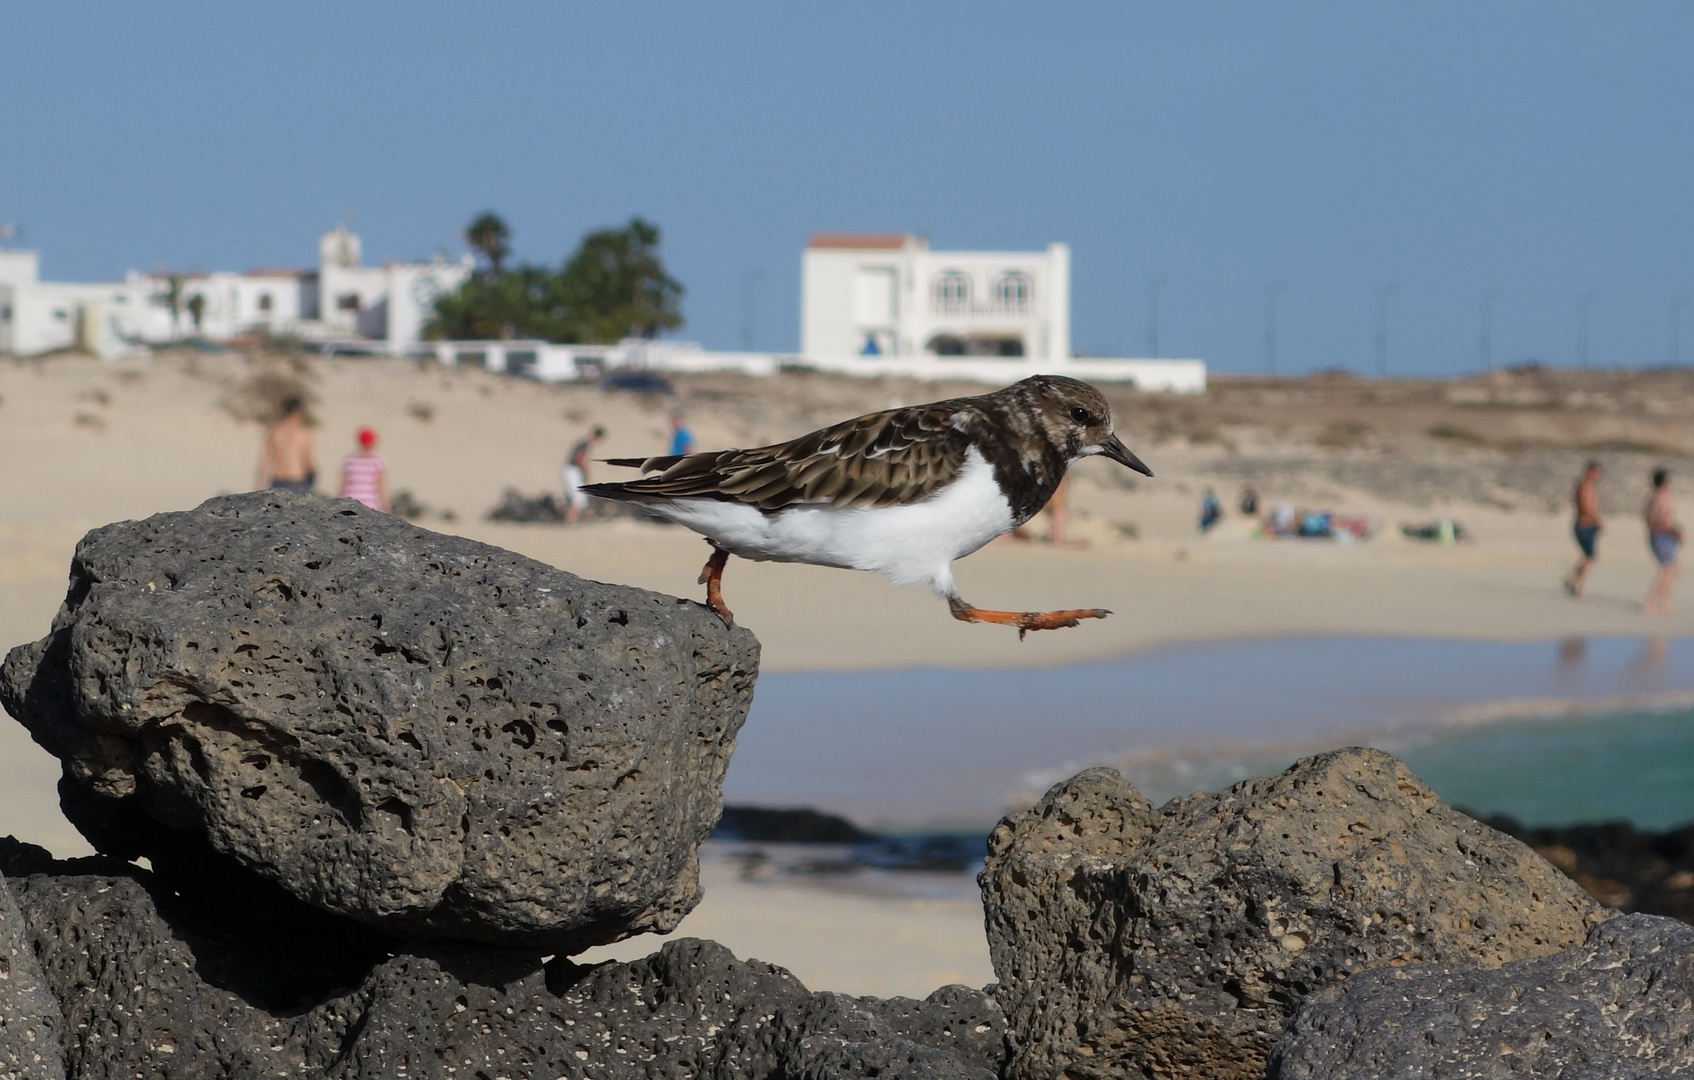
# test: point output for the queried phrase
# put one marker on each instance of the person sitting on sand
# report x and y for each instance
(1249, 501)
(286, 461)
(364, 475)
(1588, 526)
(1210, 510)
(1664, 536)
(576, 475)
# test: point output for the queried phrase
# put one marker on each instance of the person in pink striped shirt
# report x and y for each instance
(364, 475)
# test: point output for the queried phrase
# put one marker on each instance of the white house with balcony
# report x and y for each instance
(888, 294)
(884, 304)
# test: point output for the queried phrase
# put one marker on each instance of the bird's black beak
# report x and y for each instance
(1114, 448)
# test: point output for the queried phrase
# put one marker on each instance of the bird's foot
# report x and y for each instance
(1025, 621)
(711, 576)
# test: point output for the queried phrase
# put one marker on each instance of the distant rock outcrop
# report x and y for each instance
(424, 733)
(1618, 1007)
(1177, 942)
(160, 986)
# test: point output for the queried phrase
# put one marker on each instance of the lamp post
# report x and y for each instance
(1582, 308)
(1272, 291)
(1153, 288)
(753, 277)
(1677, 303)
(1486, 341)
(1382, 294)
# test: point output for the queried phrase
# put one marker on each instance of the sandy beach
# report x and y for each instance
(93, 442)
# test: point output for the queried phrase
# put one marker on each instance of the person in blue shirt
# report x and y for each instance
(1210, 510)
(682, 440)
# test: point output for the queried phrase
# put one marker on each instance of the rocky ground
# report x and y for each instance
(362, 795)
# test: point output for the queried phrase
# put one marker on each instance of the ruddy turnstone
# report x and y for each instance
(902, 492)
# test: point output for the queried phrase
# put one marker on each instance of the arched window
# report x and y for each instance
(264, 301)
(1013, 289)
(952, 288)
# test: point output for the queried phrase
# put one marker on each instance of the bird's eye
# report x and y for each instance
(1080, 415)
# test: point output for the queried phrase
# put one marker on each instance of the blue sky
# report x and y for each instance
(1544, 148)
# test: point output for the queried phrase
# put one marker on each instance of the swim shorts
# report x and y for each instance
(301, 487)
(1664, 547)
(1585, 537)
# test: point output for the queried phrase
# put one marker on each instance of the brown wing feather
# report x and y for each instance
(884, 459)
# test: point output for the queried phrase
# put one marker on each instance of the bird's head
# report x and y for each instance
(1076, 419)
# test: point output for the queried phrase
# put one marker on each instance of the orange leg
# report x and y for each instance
(711, 576)
(1025, 621)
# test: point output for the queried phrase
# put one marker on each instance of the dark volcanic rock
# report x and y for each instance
(1618, 1007)
(155, 985)
(418, 731)
(30, 1024)
(1618, 865)
(1178, 941)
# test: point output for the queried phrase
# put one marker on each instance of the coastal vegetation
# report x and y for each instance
(613, 286)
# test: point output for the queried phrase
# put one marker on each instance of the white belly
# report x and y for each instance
(912, 545)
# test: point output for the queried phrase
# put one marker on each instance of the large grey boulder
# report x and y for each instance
(421, 732)
(30, 1024)
(1618, 1007)
(157, 984)
(1178, 941)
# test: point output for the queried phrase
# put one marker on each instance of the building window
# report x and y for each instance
(61, 314)
(1013, 289)
(264, 301)
(347, 302)
(6, 313)
(952, 288)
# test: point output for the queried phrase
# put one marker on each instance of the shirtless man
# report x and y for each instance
(286, 461)
(1588, 526)
(1664, 536)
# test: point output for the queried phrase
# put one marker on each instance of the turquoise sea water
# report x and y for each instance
(944, 748)
(1635, 766)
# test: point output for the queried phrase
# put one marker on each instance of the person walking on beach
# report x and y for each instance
(682, 440)
(286, 462)
(364, 475)
(1588, 526)
(1664, 536)
(576, 475)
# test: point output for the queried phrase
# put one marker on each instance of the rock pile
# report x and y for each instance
(1179, 941)
(389, 782)
(417, 731)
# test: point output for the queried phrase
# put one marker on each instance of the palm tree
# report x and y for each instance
(171, 297)
(488, 234)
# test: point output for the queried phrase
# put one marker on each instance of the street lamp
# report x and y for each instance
(753, 277)
(1486, 341)
(1587, 302)
(1382, 294)
(1677, 303)
(1153, 288)
(1272, 291)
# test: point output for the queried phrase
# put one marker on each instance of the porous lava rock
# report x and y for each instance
(1177, 942)
(428, 734)
(30, 1023)
(156, 984)
(1618, 1007)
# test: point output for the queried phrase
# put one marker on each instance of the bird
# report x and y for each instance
(903, 492)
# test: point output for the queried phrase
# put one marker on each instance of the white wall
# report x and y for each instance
(846, 299)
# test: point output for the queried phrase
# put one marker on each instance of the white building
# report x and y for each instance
(884, 304)
(887, 294)
(342, 305)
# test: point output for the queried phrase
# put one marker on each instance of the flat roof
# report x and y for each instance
(861, 241)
